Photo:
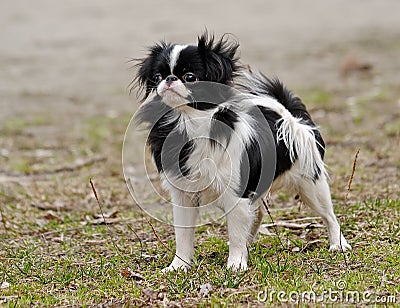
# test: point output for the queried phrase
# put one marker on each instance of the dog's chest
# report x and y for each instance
(208, 163)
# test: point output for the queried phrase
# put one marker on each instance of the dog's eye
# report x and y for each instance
(157, 78)
(190, 77)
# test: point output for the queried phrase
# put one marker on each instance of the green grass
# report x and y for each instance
(20, 165)
(392, 129)
(83, 265)
(316, 96)
(96, 129)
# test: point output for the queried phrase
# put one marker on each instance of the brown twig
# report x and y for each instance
(3, 220)
(274, 225)
(137, 236)
(102, 214)
(345, 200)
(303, 219)
(157, 236)
(97, 199)
(351, 176)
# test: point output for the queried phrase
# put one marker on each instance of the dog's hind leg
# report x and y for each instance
(317, 196)
(258, 214)
(239, 219)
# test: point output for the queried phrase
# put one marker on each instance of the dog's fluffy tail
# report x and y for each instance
(300, 139)
(295, 128)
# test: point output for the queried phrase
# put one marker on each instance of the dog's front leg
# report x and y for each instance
(185, 214)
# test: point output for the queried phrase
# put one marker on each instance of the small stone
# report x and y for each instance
(205, 289)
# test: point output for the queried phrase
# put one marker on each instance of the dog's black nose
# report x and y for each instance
(170, 79)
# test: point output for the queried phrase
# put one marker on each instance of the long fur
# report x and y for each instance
(222, 152)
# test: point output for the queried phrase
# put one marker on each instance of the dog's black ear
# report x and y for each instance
(143, 80)
(219, 57)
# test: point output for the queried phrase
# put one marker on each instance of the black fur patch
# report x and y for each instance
(222, 125)
(258, 160)
(189, 60)
(174, 152)
(209, 95)
(201, 105)
(155, 62)
(170, 148)
(283, 162)
(219, 58)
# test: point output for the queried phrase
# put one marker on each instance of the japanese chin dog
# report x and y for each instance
(223, 134)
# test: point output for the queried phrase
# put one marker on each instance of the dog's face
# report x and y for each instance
(169, 67)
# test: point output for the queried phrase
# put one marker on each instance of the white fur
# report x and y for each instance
(173, 95)
(174, 56)
(185, 214)
(300, 137)
(318, 197)
(212, 168)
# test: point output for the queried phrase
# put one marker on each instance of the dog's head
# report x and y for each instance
(168, 68)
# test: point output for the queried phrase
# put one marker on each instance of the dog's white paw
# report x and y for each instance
(237, 264)
(176, 265)
(171, 268)
(337, 247)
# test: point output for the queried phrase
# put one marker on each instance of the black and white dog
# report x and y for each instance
(229, 149)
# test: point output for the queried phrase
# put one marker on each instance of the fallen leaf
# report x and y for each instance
(126, 272)
(352, 64)
(111, 214)
(296, 249)
(129, 274)
(51, 216)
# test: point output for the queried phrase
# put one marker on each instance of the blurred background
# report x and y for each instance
(80, 49)
(64, 73)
